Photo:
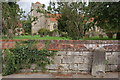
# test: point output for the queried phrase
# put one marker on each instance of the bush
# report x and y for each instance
(35, 33)
(55, 32)
(9, 65)
(26, 33)
(44, 32)
(86, 36)
(24, 55)
(100, 36)
(63, 34)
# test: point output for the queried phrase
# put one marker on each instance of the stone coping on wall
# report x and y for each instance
(73, 41)
(68, 45)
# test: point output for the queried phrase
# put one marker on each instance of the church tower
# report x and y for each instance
(41, 20)
(44, 20)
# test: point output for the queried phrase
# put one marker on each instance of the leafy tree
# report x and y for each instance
(73, 19)
(10, 17)
(27, 23)
(106, 16)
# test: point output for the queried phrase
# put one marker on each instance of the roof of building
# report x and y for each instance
(53, 17)
(37, 2)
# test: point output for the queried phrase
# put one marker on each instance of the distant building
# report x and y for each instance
(48, 21)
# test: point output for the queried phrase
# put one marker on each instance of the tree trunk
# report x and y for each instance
(98, 64)
(118, 35)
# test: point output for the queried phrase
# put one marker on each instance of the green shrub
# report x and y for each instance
(24, 55)
(9, 65)
(26, 34)
(55, 32)
(44, 32)
(63, 34)
(101, 36)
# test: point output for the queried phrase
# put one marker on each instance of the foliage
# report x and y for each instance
(63, 34)
(27, 24)
(37, 37)
(63, 37)
(23, 55)
(11, 15)
(55, 32)
(44, 32)
(106, 16)
(9, 65)
(73, 18)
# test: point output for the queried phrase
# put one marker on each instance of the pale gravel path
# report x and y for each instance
(54, 75)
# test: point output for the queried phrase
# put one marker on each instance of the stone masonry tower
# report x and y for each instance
(40, 22)
(44, 20)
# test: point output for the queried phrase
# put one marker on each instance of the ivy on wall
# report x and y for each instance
(23, 55)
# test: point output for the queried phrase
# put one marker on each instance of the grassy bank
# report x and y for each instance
(37, 37)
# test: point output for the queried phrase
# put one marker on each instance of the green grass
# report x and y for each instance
(37, 37)
(97, 38)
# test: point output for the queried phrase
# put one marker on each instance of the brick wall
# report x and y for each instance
(69, 45)
(76, 55)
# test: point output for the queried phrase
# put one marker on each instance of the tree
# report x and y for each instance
(27, 24)
(106, 16)
(73, 19)
(43, 32)
(10, 17)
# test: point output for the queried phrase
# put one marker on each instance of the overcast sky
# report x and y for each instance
(26, 4)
